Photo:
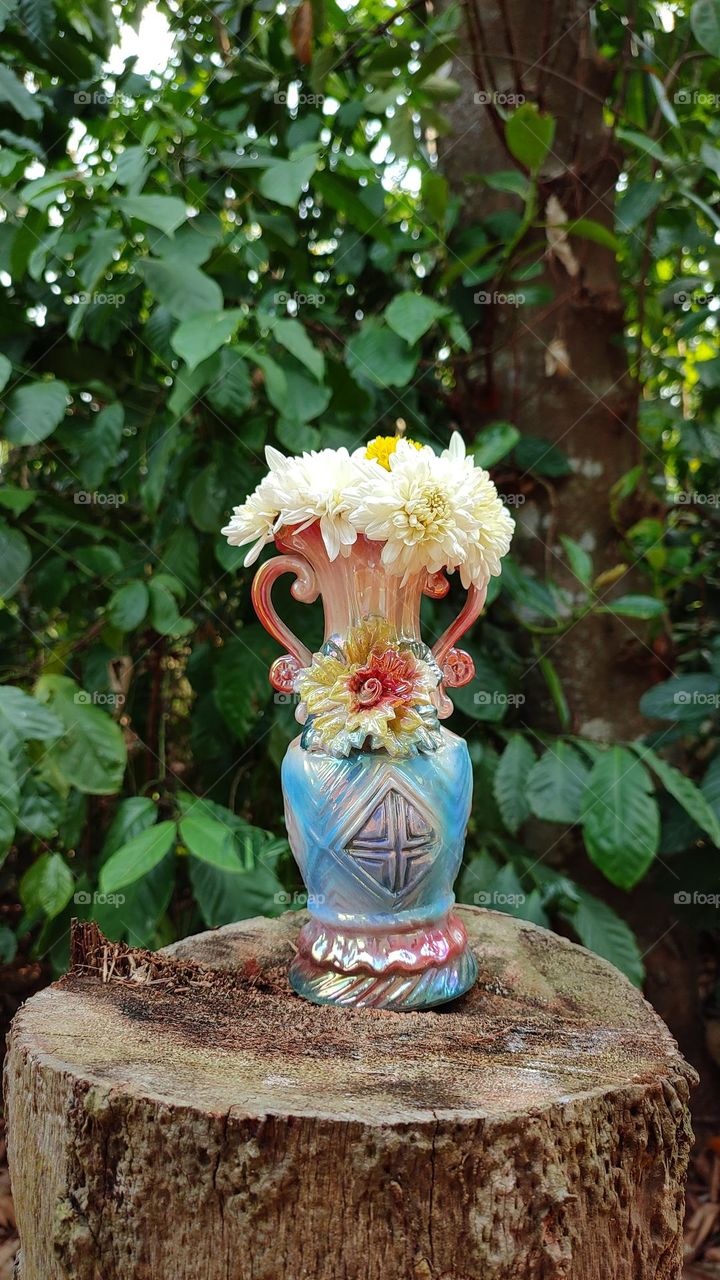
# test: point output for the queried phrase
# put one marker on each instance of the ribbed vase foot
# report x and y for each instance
(394, 989)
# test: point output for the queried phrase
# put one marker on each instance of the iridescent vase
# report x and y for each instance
(378, 835)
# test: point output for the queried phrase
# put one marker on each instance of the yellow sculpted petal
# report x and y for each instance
(368, 635)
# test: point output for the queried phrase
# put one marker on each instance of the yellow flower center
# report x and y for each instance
(429, 510)
(382, 447)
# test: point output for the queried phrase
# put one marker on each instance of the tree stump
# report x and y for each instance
(184, 1116)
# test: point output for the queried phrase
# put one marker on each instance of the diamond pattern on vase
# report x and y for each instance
(394, 846)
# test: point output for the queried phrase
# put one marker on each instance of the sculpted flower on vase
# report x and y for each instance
(371, 691)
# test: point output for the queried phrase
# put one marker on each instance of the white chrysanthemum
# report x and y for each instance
(254, 521)
(434, 513)
(492, 526)
(317, 486)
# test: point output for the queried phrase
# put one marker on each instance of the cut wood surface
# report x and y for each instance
(184, 1115)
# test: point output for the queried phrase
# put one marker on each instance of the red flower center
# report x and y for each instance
(386, 678)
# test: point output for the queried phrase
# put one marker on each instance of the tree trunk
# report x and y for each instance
(545, 54)
(186, 1115)
(559, 370)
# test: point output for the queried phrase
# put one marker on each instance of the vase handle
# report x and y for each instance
(305, 588)
(457, 666)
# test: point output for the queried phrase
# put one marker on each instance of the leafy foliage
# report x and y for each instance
(256, 245)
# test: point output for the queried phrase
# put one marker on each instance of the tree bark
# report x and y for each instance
(557, 370)
(186, 1115)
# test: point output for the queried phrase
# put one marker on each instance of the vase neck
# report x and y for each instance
(358, 585)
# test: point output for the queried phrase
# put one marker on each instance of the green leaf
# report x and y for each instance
(132, 816)
(440, 88)
(529, 596)
(511, 180)
(274, 380)
(494, 443)
(193, 242)
(635, 607)
(293, 337)
(620, 816)
(601, 930)
(578, 559)
(100, 562)
(181, 558)
(9, 802)
(529, 134)
(226, 896)
(166, 213)
(128, 605)
(56, 886)
(658, 87)
(555, 689)
(5, 371)
(532, 453)
(636, 204)
(242, 686)
(136, 858)
(164, 614)
(435, 192)
(34, 411)
(589, 229)
(410, 315)
(297, 437)
(487, 696)
(14, 93)
(15, 559)
(231, 392)
(145, 902)
(284, 180)
(17, 500)
(505, 892)
(7, 9)
(210, 841)
(207, 499)
(643, 143)
(47, 886)
(303, 398)
(475, 878)
(39, 18)
(8, 945)
(185, 290)
(379, 356)
(683, 790)
(711, 785)
(22, 718)
(99, 255)
(97, 448)
(343, 196)
(685, 697)
(41, 192)
(91, 754)
(41, 809)
(510, 782)
(705, 23)
(196, 339)
(557, 783)
(709, 211)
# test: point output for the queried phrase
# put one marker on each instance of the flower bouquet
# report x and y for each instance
(377, 793)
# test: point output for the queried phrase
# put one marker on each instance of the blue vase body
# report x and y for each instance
(379, 842)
